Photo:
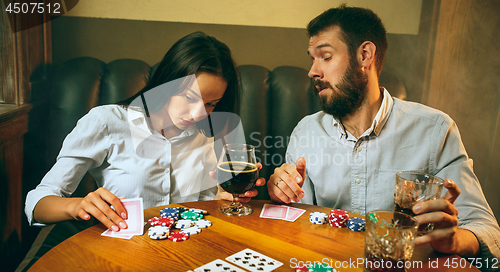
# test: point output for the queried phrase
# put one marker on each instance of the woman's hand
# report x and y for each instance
(98, 204)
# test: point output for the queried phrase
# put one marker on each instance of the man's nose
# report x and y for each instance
(315, 72)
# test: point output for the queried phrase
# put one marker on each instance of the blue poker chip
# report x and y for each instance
(318, 218)
(356, 224)
(181, 209)
(169, 210)
(158, 232)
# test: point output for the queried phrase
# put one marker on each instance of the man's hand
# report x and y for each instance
(286, 183)
(221, 194)
(446, 236)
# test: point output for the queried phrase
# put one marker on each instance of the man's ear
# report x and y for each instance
(366, 54)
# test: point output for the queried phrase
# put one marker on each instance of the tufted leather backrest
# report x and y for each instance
(273, 103)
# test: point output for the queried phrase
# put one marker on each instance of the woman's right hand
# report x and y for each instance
(98, 204)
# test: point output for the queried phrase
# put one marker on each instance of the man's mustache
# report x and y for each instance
(321, 84)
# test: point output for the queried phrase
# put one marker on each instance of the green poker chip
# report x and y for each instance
(191, 215)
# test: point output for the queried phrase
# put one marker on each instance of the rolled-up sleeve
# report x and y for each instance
(452, 162)
(84, 148)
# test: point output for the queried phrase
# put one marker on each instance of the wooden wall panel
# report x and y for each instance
(465, 81)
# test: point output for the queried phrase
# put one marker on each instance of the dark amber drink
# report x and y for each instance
(237, 177)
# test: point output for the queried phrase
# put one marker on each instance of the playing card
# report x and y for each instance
(135, 220)
(254, 261)
(274, 211)
(111, 233)
(218, 266)
(293, 214)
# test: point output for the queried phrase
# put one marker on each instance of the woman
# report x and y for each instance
(148, 145)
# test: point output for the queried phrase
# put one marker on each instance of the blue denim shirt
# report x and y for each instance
(358, 175)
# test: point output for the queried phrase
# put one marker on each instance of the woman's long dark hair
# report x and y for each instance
(196, 52)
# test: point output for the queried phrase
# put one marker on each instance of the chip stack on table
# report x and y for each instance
(158, 232)
(318, 218)
(161, 221)
(338, 218)
(318, 267)
(356, 224)
(192, 222)
(191, 215)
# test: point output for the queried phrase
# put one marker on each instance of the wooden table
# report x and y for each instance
(291, 243)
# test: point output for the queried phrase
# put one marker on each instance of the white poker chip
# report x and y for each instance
(184, 223)
(158, 232)
(192, 230)
(318, 218)
(203, 223)
(198, 211)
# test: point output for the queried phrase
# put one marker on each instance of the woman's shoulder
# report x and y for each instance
(108, 113)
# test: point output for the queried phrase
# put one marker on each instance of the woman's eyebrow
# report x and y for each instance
(195, 93)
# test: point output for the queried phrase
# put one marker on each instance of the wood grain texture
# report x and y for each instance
(279, 239)
(465, 81)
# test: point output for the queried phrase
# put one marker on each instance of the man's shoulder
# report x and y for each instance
(409, 109)
(312, 120)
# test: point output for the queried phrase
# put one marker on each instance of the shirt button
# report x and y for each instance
(358, 181)
(359, 149)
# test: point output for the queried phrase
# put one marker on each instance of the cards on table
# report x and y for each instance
(282, 212)
(254, 261)
(248, 259)
(135, 220)
(218, 266)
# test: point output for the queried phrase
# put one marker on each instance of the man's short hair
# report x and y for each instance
(358, 25)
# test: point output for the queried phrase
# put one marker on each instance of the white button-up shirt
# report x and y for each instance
(117, 148)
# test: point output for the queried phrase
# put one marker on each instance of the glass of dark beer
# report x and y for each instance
(236, 174)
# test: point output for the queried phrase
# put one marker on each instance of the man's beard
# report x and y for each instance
(347, 95)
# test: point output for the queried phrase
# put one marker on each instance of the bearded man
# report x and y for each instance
(359, 141)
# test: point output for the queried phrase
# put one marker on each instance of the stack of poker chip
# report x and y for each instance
(356, 224)
(317, 267)
(170, 212)
(188, 221)
(158, 232)
(318, 218)
(184, 223)
(191, 215)
(161, 221)
(338, 218)
(178, 236)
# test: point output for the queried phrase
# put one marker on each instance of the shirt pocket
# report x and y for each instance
(381, 193)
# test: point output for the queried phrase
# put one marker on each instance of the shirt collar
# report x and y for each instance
(379, 120)
(137, 119)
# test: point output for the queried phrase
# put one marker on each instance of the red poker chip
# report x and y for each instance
(161, 221)
(301, 269)
(178, 236)
(338, 218)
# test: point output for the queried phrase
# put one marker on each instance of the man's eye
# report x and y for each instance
(189, 97)
(327, 58)
(211, 105)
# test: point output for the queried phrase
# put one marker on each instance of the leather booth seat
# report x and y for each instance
(272, 104)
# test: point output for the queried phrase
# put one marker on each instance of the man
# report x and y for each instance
(363, 137)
